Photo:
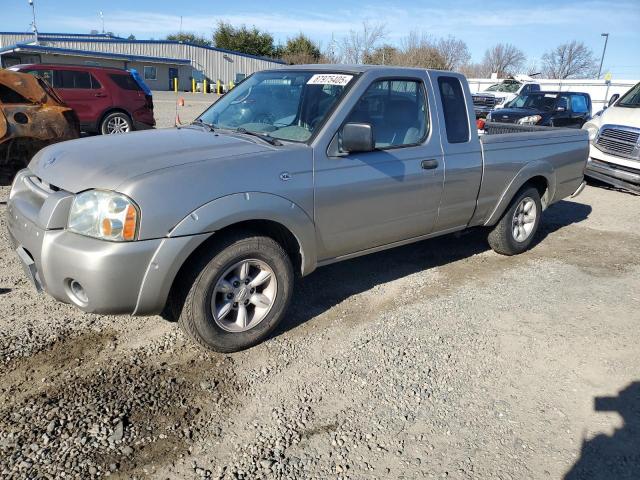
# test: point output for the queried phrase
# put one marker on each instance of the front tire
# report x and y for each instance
(116, 122)
(515, 231)
(239, 294)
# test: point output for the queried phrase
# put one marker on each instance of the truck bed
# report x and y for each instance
(557, 155)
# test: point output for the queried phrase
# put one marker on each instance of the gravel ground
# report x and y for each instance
(165, 106)
(436, 360)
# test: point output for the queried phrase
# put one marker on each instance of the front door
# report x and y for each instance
(370, 199)
(173, 73)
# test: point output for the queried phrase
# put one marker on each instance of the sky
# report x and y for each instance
(534, 27)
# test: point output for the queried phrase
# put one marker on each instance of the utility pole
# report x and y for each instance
(33, 23)
(606, 39)
(102, 20)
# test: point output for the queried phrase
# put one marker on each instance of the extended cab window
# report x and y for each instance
(71, 79)
(396, 110)
(455, 109)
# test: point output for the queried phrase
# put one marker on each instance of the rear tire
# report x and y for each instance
(517, 228)
(238, 294)
(116, 122)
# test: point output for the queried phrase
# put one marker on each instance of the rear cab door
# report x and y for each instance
(462, 150)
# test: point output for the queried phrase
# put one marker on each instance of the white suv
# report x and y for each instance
(499, 94)
(614, 156)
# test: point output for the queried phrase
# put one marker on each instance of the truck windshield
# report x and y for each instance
(631, 98)
(536, 101)
(509, 87)
(287, 105)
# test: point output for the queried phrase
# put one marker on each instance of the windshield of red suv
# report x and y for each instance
(286, 105)
(631, 98)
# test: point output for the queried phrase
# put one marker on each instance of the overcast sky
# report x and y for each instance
(532, 26)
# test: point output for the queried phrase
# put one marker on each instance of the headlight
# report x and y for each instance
(500, 100)
(530, 120)
(488, 117)
(593, 132)
(105, 215)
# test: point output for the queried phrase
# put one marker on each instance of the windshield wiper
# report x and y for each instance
(198, 121)
(267, 138)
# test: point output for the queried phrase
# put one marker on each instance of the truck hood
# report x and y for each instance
(107, 161)
(626, 116)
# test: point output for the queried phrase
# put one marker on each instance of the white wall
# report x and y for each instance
(599, 91)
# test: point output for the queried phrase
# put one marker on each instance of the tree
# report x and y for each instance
(188, 37)
(243, 39)
(421, 51)
(454, 52)
(383, 55)
(504, 59)
(359, 45)
(570, 60)
(131, 37)
(300, 49)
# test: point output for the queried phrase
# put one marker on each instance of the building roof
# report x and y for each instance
(26, 47)
(62, 37)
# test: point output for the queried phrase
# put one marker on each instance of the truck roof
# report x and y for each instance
(356, 68)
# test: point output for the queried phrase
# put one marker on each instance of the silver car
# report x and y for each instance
(293, 169)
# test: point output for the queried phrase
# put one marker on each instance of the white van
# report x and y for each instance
(614, 157)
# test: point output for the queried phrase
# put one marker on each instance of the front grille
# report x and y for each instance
(484, 101)
(622, 142)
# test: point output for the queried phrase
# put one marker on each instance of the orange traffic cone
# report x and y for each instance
(181, 102)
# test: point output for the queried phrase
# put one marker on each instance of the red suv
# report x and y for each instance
(107, 100)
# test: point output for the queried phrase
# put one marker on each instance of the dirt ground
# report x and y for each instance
(441, 359)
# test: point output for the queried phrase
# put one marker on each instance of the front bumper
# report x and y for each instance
(115, 277)
(621, 173)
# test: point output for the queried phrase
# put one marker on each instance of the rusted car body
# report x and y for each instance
(32, 116)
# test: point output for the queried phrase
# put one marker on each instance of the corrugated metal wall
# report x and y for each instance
(214, 64)
(11, 38)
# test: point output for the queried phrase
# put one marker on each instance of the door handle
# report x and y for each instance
(429, 164)
(100, 95)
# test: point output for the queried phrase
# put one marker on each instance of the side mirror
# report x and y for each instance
(357, 137)
(613, 99)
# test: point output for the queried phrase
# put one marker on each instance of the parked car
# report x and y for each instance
(32, 116)
(548, 109)
(500, 94)
(210, 223)
(614, 157)
(107, 100)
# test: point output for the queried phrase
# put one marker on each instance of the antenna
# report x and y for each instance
(102, 19)
(180, 23)
(33, 23)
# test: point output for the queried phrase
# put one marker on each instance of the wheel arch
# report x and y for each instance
(202, 229)
(539, 175)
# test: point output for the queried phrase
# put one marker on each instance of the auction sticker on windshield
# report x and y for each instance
(330, 79)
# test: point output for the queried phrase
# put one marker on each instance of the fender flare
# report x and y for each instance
(539, 168)
(240, 207)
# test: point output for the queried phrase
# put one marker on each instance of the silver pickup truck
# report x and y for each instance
(293, 169)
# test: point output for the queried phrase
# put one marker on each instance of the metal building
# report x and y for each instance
(206, 62)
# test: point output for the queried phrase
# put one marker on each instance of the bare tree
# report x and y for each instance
(454, 52)
(570, 60)
(419, 50)
(359, 45)
(504, 59)
(475, 70)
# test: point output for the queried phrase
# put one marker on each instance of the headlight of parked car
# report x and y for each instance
(488, 119)
(500, 100)
(593, 132)
(105, 215)
(530, 120)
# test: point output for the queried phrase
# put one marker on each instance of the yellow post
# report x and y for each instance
(175, 85)
(193, 85)
(204, 86)
(218, 87)
(231, 85)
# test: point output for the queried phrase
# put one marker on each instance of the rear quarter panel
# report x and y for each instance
(511, 159)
